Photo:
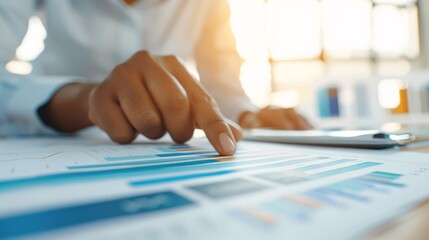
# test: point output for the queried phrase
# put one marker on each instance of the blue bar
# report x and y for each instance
(59, 218)
(367, 184)
(384, 175)
(179, 146)
(322, 165)
(175, 154)
(375, 181)
(165, 149)
(130, 157)
(144, 162)
(345, 169)
(94, 175)
(178, 178)
(145, 156)
(347, 186)
(173, 147)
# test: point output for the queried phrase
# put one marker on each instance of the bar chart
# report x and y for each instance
(178, 163)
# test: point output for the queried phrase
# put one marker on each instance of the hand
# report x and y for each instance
(145, 95)
(277, 118)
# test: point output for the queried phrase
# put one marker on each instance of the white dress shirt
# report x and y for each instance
(86, 39)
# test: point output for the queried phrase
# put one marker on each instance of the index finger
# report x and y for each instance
(204, 109)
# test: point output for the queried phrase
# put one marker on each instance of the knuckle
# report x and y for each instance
(155, 134)
(98, 98)
(171, 58)
(120, 70)
(173, 61)
(290, 111)
(216, 123)
(202, 97)
(148, 119)
(178, 103)
(122, 137)
(267, 110)
(183, 138)
(150, 125)
(142, 55)
(132, 100)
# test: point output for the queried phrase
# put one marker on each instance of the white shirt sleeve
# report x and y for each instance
(219, 64)
(21, 96)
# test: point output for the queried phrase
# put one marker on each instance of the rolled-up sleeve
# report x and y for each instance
(20, 99)
(219, 63)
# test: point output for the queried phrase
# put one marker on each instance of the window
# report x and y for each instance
(301, 40)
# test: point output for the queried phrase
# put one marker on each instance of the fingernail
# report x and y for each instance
(226, 142)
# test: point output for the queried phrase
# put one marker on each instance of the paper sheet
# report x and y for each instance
(90, 188)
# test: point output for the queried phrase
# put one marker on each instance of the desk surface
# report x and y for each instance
(413, 225)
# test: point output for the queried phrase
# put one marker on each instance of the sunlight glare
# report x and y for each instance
(395, 31)
(294, 29)
(248, 22)
(347, 28)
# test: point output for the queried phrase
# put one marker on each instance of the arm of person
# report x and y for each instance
(219, 64)
(146, 95)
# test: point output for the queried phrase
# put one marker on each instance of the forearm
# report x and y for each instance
(67, 111)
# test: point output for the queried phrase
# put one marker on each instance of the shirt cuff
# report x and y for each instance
(22, 110)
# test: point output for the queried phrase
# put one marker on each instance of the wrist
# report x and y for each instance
(67, 110)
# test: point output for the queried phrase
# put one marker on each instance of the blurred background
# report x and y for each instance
(343, 63)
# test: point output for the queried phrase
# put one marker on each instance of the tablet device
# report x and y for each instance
(372, 139)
